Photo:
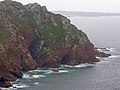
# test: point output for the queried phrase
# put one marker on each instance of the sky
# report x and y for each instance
(78, 5)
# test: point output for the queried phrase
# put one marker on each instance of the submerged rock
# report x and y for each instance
(102, 54)
(99, 52)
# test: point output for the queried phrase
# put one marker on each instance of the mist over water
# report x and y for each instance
(104, 75)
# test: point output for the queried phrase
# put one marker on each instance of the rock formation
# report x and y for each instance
(101, 52)
(31, 37)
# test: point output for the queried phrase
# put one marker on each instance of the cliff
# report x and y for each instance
(31, 37)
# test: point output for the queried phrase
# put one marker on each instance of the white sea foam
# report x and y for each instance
(38, 76)
(26, 76)
(113, 56)
(107, 59)
(100, 50)
(32, 76)
(19, 86)
(111, 49)
(37, 70)
(59, 71)
(50, 71)
(98, 57)
(36, 83)
(106, 49)
(84, 65)
(103, 61)
(80, 65)
(15, 87)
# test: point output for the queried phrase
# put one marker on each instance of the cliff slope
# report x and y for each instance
(31, 37)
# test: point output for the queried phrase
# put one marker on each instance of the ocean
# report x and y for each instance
(104, 75)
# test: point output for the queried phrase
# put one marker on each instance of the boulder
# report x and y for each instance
(102, 54)
(4, 82)
(16, 74)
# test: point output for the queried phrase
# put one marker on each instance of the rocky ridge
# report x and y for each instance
(31, 37)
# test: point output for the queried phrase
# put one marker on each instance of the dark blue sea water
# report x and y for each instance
(104, 75)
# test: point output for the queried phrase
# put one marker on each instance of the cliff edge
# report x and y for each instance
(31, 37)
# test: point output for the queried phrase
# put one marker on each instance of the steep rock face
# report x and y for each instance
(31, 36)
(15, 36)
(57, 42)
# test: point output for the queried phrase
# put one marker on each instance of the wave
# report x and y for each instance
(36, 83)
(103, 62)
(37, 70)
(38, 76)
(111, 49)
(27, 76)
(106, 49)
(20, 86)
(108, 58)
(15, 87)
(56, 71)
(98, 57)
(113, 56)
(79, 66)
(42, 70)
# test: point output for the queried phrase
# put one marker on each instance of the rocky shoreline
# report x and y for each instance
(100, 52)
(18, 73)
(32, 37)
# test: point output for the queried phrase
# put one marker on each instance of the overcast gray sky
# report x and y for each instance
(79, 5)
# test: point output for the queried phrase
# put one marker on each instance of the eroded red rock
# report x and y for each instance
(34, 37)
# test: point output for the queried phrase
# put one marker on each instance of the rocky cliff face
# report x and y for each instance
(31, 37)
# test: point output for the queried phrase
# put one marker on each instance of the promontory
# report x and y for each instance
(32, 37)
